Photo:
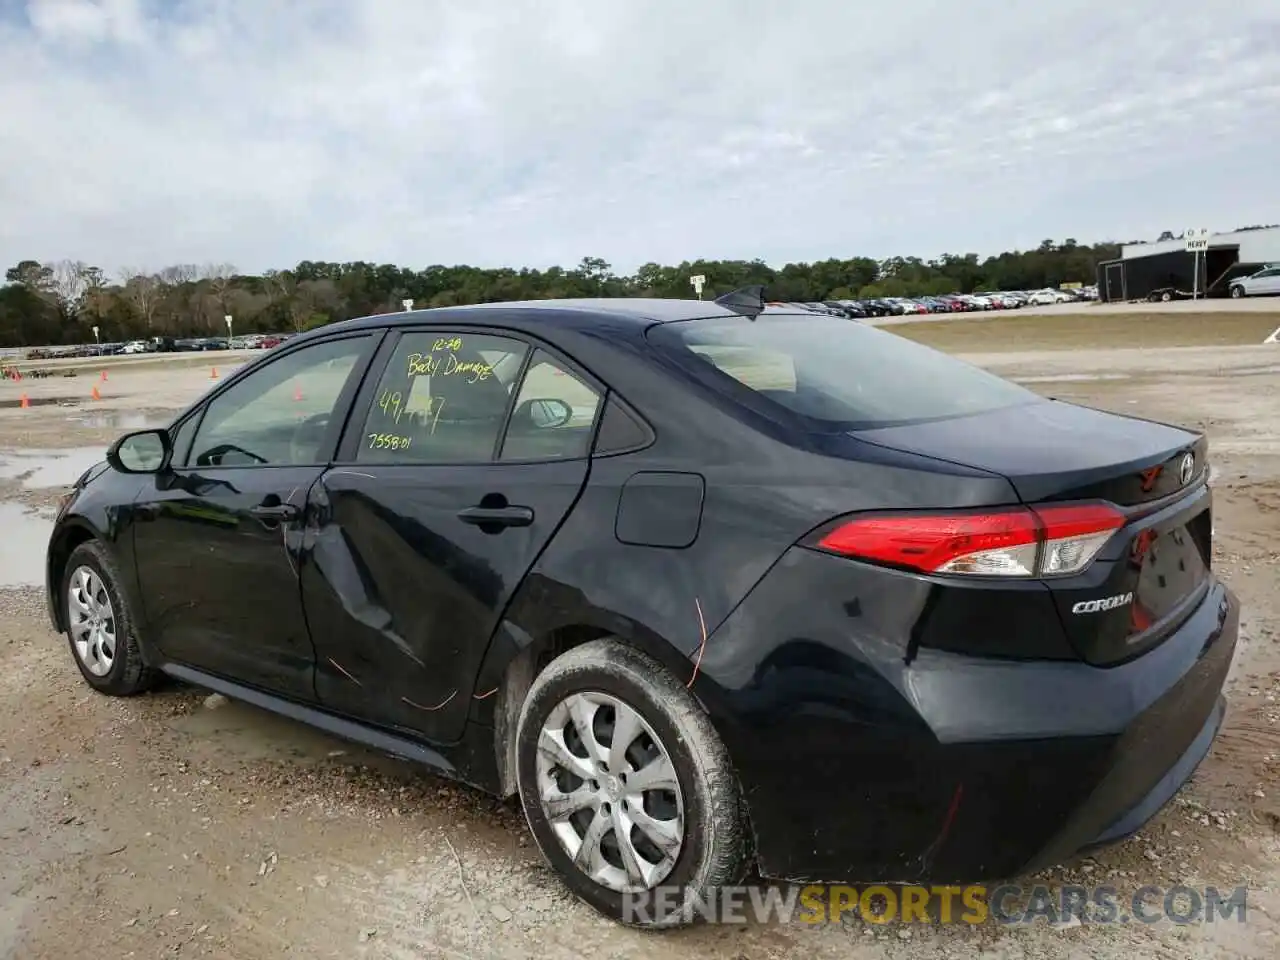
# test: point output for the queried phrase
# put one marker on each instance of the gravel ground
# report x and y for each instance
(181, 825)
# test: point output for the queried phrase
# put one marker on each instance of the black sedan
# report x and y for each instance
(708, 585)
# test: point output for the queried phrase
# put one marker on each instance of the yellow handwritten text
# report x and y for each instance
(388, 441)
(452, 343)
(391, 404)
(428, 365)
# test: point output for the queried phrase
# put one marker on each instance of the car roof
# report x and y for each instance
(589, 312)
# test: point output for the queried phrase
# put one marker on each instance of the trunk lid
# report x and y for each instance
(1155, 569)
(1053, 450)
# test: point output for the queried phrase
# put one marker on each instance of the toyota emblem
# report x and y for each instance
(1187, 469)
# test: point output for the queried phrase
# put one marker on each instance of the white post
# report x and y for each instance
(227, 318)
(698, 281)
(407, 304)
(1196, 242)
(97, 340)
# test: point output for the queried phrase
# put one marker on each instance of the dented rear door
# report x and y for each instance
(411, 565)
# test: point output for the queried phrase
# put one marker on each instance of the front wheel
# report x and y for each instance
(1237, 292)
(627, 788)
(100, 624)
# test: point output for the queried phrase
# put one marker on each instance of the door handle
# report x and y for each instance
(275, 511)
(497, 516)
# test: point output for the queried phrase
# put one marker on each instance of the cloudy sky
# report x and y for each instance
(532, 132)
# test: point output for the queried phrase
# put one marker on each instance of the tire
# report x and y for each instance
(1237, 292)
(125, 675)
(712, 837)
(1166, 296)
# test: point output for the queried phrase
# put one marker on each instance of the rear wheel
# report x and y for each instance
(100, 624)
(1166, 296)
(628, 789)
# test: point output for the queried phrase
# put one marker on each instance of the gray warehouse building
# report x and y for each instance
(1145, 267)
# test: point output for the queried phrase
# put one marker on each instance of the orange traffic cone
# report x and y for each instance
(297, 393)
(25, 402)
(96, 395)
(213, 373)
(104, 376)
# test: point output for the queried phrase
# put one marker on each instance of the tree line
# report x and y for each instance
(61, 303)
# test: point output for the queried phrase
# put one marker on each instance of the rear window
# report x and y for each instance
(847, 375)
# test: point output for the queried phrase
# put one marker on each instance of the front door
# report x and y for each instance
(216, 536)
(459, 465)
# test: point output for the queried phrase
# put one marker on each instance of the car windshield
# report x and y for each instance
(847, 375)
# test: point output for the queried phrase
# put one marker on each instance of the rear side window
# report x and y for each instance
(442, 398)
(846, 375)
(554, 413)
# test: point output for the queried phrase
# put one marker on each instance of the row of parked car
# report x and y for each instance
(951, 303)
(257, 341)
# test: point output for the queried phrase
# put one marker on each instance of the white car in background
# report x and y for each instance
(1266, 282)
(136, 346)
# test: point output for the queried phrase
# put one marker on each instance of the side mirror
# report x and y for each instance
(542, 414)
(144, 451)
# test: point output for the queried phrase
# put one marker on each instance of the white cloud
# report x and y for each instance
(529, 132)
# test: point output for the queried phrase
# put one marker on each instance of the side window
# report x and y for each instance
(621, 430)
(442, 398)
(278, 415)
(553, 414)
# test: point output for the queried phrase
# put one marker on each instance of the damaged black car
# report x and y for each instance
(707, 586)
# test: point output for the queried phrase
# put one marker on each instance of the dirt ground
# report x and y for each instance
(1155, 327)
(173, 825)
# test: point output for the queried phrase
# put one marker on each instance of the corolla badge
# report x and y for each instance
(1109, 603)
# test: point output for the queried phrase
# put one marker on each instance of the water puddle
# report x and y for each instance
(26, 535)
(117, 419)
(41, 469)
(11, 402)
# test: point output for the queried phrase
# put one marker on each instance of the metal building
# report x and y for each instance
(1144, 267)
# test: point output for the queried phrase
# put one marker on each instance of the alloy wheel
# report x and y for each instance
(91, 620)
(609, 791)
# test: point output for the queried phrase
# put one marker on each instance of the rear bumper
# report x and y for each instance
(1137, 816)
(859, 763)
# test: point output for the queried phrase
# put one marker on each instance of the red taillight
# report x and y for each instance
(1021, 542)
(1078, 519)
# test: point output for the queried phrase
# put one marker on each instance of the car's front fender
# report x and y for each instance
(69, 532)
(96, 510)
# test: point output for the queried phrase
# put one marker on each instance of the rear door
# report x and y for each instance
(461, 459)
